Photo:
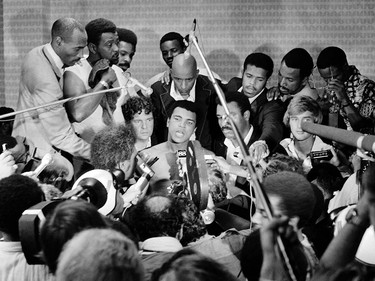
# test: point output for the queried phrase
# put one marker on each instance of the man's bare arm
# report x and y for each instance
(79, 110)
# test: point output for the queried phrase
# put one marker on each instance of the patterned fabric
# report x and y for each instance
(361, 93)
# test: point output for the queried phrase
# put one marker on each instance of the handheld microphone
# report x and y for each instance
(46, 160)
(190, 35)
(137, 190)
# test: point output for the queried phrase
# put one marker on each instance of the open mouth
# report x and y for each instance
(180, 134)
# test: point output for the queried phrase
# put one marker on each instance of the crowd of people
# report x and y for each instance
(161, 182)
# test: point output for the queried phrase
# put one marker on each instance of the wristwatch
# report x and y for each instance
(353, 218)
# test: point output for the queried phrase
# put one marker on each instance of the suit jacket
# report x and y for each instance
(48, 126)
(266, 115)
(207, 125)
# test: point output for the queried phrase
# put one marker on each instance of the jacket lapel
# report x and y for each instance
(166, 99)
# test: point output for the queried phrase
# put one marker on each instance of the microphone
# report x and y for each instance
(46, 160)
(132, 82)
(361, 141)
(189, 37)
(90, 190)
(137, 190)
(194, 25)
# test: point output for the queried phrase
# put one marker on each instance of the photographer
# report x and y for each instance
(17, 194)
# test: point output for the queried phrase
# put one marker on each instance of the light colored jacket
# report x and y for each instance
(40, 84)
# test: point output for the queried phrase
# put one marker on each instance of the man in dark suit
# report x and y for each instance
(266, 116)
(227, 145)
(186, 84)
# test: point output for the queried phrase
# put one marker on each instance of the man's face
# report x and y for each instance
(254, 80)
(70, 50)
(295, 122)
(128, 165)
(170, 49)
(184, 79)
(108, 47)
(126, 54)
(240, 120)
(331, 73)
(181, 125)
(290, 81)
(143, 125)
(260, 212)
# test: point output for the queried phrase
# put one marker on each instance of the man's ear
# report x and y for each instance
(305, 81)
(168, 122)
(92, 48)
(197, 73)
(58, 40)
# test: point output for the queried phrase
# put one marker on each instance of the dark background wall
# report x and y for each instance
(227, 31)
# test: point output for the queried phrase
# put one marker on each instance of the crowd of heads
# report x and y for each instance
(79, 243)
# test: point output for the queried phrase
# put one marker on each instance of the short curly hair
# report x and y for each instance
(156, 215)
(111, 146)
(280, 162)
(17, 194)
(135, 105)
(97, 27)
(218, 187)
(193, 225)
(128, 36)
(295, 192)
(300, 59)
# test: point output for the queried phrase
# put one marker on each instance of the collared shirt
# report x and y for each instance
(177, 96)
(318, 145)
(253, 98)
(57, 60)
(361, 93)
(234, 154)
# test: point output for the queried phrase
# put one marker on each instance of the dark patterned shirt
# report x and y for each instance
(361, 93)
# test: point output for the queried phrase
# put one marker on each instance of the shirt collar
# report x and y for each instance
(56, 59)
(253, 98)
(228, 143)
(177, 96)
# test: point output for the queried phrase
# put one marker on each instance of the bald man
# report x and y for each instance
(186, 84)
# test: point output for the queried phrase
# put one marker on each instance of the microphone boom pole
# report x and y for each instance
(261, 195)
(59, 102)
(361, 141)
